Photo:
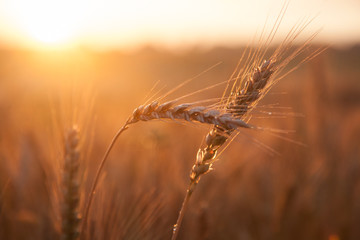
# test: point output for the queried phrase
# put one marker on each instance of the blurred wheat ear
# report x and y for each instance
(70, 214)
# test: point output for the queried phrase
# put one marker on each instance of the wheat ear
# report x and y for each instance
(239, 104)
(186, 112)
(70, 214)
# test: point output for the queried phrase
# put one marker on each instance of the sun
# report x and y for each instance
(49, 23)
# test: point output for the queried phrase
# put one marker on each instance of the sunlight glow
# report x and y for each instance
(48, 22)
(123, 24)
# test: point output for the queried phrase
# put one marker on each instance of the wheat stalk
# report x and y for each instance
(243, 100)
(70, 214)
(238, 105)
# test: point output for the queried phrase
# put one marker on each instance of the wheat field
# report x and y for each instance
(60, 110)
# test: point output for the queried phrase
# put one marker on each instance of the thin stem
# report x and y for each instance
(97, 176)
(177, 226)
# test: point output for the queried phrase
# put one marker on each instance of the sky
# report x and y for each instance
(119, 24)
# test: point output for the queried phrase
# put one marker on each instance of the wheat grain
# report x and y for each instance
(245, 98)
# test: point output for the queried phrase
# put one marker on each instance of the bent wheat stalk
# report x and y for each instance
(188, 112)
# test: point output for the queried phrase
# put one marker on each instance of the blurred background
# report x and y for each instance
(90, 63)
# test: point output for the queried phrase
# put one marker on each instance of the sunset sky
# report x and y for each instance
(112, 24)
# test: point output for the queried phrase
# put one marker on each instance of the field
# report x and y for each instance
(304, 184)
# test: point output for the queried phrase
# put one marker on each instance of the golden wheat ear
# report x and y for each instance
(251, 84)
(186, 112)
(70, 213)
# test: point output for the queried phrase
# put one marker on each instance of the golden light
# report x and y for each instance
(109, 24)
(49, 23)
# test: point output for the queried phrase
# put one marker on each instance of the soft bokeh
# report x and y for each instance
(302, 184)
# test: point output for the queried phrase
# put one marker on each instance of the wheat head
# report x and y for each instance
(238, 105)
